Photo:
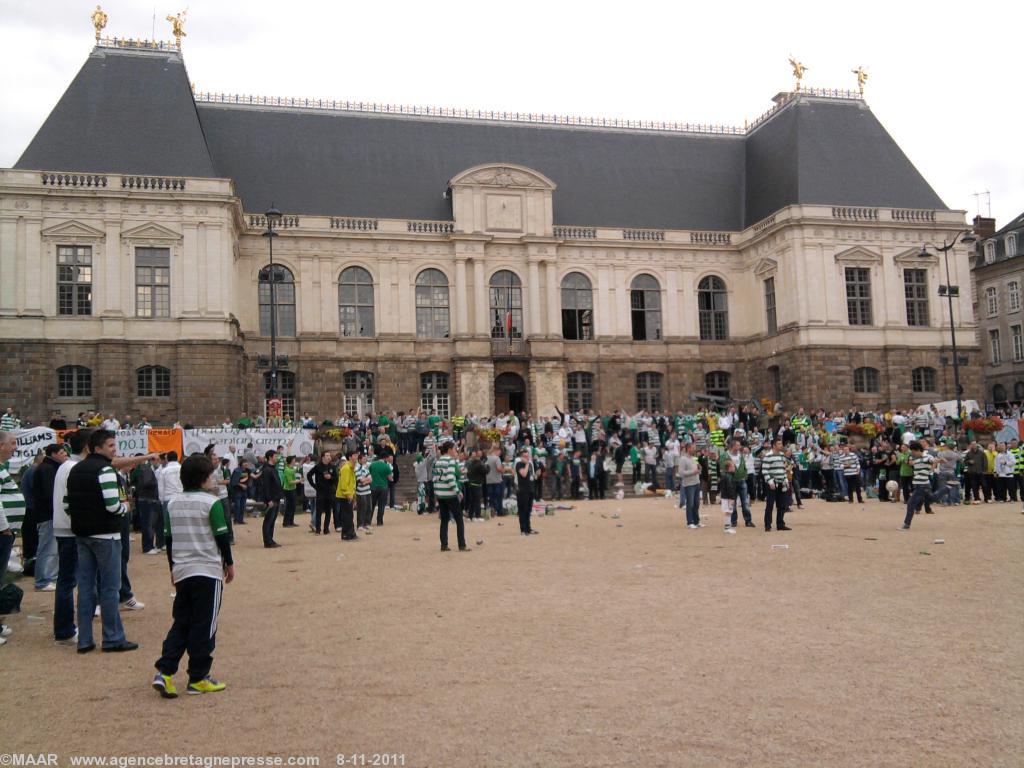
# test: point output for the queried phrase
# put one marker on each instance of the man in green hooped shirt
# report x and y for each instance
(905, 461)
(380, 475)
(434, 423)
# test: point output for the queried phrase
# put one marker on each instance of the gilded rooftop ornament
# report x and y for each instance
(862, 77)
(178, 27)
(798, 71)
(99, 21)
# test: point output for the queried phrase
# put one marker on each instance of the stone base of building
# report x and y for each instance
(211, 381)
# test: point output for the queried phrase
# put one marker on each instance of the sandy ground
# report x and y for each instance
(592, 644)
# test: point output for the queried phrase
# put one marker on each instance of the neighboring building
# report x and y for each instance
(998, 276)
(636, 264)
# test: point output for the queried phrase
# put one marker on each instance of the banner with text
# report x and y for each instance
(296, 442)
(30, 442)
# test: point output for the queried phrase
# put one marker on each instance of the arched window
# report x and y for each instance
(74, 381)
(358, 386)
(580, 389)
(713, 309)
(865, 380)
(355, 303)
(648, 391)
(645, 306)
(434, 394)
(285, 391)
(775, 382)
(1018, 390)
(153, 381)
(577, 307)
(998, 394)
(716, 384)
(283, 299)
(923, 379)
(506, 292)
(432, 305)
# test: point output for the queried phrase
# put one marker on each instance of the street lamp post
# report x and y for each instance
(949, 291)
(273, 217)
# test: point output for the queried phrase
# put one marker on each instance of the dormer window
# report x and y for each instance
(1011, 245)
(990, 251)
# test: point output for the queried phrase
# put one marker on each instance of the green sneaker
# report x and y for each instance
(206, 685)
(164, 685)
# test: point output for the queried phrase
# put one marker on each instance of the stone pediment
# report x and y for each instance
(150, 231)
(73, 230)
(766, 267)
(859, 255)
(504, 176)
(912, 258)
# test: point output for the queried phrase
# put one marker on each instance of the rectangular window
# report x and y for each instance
(769, 305)
(1013, 296)
(993, 340)
(858, 295)
(915, 289)
(74, 280)
(1018, 343)
(152, 282)
(992, 301)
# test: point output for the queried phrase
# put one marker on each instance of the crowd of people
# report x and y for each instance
(77, 505)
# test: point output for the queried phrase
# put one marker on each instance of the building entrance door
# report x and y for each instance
(509, 393)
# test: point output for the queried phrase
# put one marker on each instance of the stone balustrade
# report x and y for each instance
(431, 227)
(576, 233)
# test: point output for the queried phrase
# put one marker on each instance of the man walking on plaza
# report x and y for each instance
(688, 471)
(380, 477)
(773, 466)
(923, 465)
(323, 478)
(270, 483)
(97, 509)
(449, 495)
(346, 499)
(524, 491)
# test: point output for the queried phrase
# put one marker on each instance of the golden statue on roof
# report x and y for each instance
(862, 77)
(99, 21)
(798, 71)
(178, 26)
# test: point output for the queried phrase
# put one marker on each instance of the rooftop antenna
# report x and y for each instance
(988, 201)
(153, 33)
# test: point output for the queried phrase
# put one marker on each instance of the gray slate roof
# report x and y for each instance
(133, 112)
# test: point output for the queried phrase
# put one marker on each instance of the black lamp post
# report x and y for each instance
(949, 291)
(273, 217)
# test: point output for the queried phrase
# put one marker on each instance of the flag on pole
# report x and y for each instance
(508, 318)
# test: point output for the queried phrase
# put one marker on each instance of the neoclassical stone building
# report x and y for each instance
(464, 261)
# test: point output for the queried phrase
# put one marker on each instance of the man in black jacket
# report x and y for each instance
(97, 506)
(324, 479)
(272, 494)
(42, 490)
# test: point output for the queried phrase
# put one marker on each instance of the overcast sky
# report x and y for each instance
(944, 78)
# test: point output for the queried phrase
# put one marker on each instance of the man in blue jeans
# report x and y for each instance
(688, 471)
(96, 509)
(46, 551)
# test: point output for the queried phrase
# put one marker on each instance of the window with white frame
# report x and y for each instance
(858, 295)
(434, 396)
(74, 280)
(1011, 244)
(152, 282)
(992, 301)
(1018, 343)
(358, 393)
(1013, 296)
(990, 251)
(993, 342)
(915, 291)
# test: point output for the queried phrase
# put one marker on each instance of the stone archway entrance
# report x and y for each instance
(509, 393)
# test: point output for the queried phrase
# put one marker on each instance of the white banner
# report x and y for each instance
(296, 442)
(132, 441)
(30, 442)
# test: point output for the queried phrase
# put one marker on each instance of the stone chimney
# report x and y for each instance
(984, 228)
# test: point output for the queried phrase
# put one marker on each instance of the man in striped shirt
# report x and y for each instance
(773, 466)
(924, 465)
(12, 510)
(851, 471)
(449, 495)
